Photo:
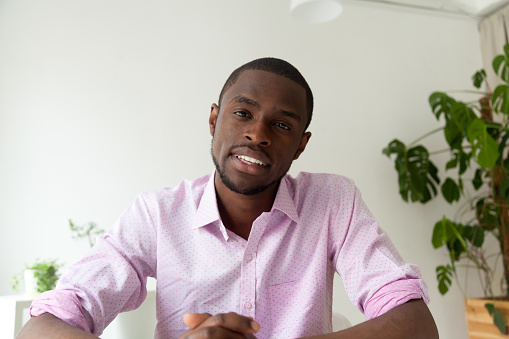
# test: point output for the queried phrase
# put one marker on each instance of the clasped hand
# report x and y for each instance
(221, 325)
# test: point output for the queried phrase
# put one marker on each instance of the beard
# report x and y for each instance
(238, 187)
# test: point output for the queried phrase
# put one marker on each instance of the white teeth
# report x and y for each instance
(249, 160)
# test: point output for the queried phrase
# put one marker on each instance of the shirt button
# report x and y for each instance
(249, 257)
(247, 305)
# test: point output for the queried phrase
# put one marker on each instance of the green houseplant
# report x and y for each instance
(477, 180)
(90, 231)
(43, 273)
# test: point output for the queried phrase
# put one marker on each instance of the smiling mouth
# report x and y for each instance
(249, 160)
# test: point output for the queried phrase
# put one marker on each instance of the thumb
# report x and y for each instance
(193, 320)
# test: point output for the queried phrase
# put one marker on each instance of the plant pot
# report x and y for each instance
(479, 321)
(30, 283)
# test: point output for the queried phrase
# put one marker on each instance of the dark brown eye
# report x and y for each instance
(281, 125)
(241, 114)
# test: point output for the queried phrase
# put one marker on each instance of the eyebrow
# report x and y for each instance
(290, 114)
(246, 100)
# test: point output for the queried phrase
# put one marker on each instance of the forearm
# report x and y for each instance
(410, 320)
(48, 326)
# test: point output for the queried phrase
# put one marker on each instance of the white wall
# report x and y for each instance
(100, 100)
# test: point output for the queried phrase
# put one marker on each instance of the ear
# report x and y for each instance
(304, 141)
(214, 111)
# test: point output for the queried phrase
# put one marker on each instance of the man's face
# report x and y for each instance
(258, 131)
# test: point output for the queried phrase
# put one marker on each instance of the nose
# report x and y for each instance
(258, 133)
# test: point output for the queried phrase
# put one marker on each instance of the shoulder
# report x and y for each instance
(306, 183)
(187, 191)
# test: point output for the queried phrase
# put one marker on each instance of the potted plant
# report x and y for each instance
(40, 277)
(477, 183)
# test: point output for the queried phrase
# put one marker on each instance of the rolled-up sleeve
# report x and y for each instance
(394, 294)
(62, 304)
(110, 279)
(375, 276)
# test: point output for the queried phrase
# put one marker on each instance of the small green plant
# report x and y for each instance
(46, 273)
(90, 231)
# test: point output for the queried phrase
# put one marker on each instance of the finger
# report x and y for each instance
(232, 321)
(193, 320)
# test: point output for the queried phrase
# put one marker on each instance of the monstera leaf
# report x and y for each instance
(462, 115)
(416, 173)
(458, 116)
(501, 64)
(450, 190)
(451, 234)
(500, 99)
(482, 142)
(474, 234)
(441, 103)
(487, 213)
(444, 278)
(478, 78)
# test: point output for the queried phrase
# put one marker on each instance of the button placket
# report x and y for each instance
(248, 285)
(248, 270)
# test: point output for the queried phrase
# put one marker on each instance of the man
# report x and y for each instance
(247, 251)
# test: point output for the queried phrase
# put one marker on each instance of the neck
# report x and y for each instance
(238, 211)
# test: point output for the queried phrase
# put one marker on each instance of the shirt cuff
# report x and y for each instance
(395, 294)
(63, 304)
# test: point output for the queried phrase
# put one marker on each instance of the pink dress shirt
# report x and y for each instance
(281, 276)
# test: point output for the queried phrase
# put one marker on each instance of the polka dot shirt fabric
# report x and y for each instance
(281, 276)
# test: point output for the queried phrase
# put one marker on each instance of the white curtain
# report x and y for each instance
(494, 33)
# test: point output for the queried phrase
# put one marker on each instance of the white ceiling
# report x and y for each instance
(474, 8)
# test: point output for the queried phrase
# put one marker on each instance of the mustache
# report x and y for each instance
(251, 147)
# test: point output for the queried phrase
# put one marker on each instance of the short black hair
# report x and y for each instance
(276, 66)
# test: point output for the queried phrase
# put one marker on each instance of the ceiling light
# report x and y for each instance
(315, 11)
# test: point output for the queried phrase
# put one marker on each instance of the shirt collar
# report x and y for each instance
(284, 201)
(208, 212)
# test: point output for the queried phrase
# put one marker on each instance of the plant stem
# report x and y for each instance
(466, 91)
(447, 150)
(425, 136)
(440, 151)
